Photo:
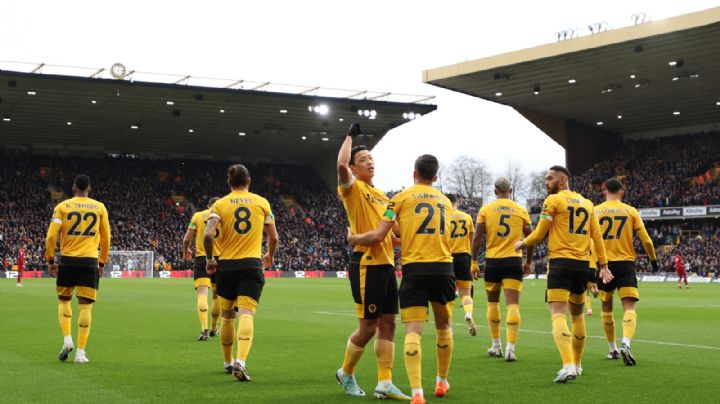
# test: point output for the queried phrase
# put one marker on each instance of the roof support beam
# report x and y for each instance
(234, 83)
(421, 100)
(97, 73)
(38, 68)
(383, 95)
(357, 94)
(309, 90)
(263, 85)
(184, 79)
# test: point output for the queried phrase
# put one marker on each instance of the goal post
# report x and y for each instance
(122, 264)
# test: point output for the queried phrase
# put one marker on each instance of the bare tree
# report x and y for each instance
(468, 177)
(535, 189)
(518, 179)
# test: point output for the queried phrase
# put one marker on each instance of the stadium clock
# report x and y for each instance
(118, 71)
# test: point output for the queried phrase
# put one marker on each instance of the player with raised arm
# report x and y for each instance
(372, 271)
(571, 222)
(620, 223)
(461, 236)
(202, 280)
(423, 214)
(242, 217)
(82, 225)
(501, 222)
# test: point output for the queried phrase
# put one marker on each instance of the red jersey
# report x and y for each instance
(21, 260)
(679, 267)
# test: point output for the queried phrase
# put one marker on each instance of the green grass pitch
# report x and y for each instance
(143, 348)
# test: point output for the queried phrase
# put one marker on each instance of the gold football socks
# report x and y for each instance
(244, 336)
(444, 343)
(65, 317)
(413, 359)
(385, 355)
(84, 322)
(561, 333)
(578, 338)
(353, 353)
(202, 309)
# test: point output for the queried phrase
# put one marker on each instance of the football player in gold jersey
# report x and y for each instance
(423, 214)
(619, 223)
(461, 235)
(203, 281)
(242, 217)
(571, 222)
(372, 271)
(82, 225)
(502, 222)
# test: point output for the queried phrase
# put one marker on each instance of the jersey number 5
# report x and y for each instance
(504, 225)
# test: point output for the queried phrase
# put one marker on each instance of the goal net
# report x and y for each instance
(124, 264)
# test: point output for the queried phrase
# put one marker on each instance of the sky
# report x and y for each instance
(379, 45)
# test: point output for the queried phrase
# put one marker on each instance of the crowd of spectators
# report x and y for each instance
(666, 171)
(697, 242)
(150, 203)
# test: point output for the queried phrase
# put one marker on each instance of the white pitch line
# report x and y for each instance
(332, 313)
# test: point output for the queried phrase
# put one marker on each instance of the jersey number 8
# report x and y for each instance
(242, 220)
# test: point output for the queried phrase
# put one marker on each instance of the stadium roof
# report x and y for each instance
(656, 75)
(129, 116)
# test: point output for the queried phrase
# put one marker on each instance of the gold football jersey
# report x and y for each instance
(461, 232)
(572, 223)
(504, 222)
(199, 223)
(365, 206)
(243, 216)
(618, 223)
(423, 214)
(82, 225)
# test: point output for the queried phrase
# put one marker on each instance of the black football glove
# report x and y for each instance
(354, 130)
(654, 266)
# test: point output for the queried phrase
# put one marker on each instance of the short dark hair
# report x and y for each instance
(453, 198)
(613, 186)
(213, 200)
(355, 150)
(561, 169)
(82, 182)
(238, 176)
(427, 166)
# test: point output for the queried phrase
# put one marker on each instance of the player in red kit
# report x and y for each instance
(680, 271)
(21, 265)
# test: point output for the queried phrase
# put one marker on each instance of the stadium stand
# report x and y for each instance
(151, 202)
(681, 170)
